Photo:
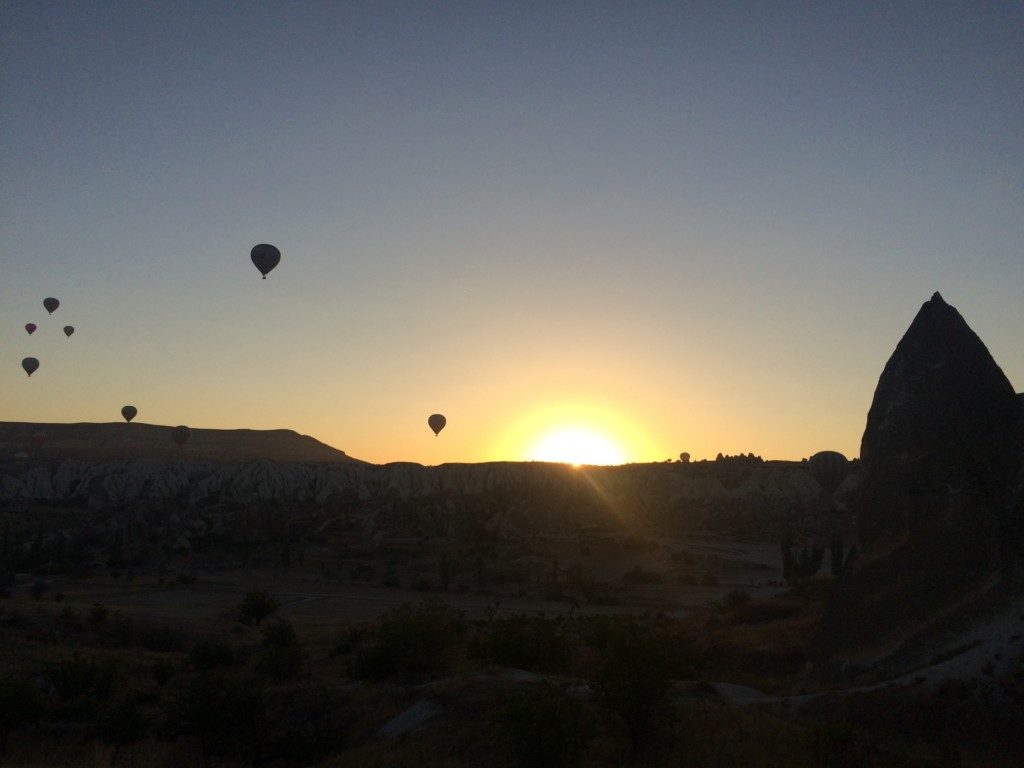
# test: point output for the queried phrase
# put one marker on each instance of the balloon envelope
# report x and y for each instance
(265, 257)
(30, 364)
(437, 422)
(68, 330)
(51, 304)
(129, 412)
(828, 468)
(31, 328)
(182, 434)
(684, 457)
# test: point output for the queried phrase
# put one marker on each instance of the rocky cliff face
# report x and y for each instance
(403, 499)
(940, 455)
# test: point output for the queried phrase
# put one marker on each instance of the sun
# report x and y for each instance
(576, 446)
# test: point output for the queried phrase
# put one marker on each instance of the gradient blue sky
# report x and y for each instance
(687, 226)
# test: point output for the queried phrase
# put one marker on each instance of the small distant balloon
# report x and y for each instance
(30, 364)
(31, 328)
(829, 469)
(437, 422)
(265, 257)
(129, 412)
(684, 457)
(182, 435)
(68, 330)
(51, 304)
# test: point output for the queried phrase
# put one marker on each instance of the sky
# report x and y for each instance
(638, 228)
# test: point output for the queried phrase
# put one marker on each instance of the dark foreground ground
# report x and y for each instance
(660, 652)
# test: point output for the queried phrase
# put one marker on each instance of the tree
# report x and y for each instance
(256, 606)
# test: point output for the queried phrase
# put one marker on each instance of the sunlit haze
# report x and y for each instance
(590, 233)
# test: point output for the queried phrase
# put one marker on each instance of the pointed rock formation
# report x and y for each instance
(940, 455)
(943, 433)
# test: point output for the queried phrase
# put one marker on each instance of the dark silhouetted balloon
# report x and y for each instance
(68, 330)
(684, 457)
(437, 422)
(265, 257)
(129, 412)
(182, 435)
(31, 328)
(828, 468)
(51, 304)
(30, 364)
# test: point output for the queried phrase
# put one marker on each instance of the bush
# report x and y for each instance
(226, 714)
(20, 704)
(527, 642)
(545, 727)
(410, 639)
(120, 722)
(98, 613)
(637, 575)
(281, 656)
(634, 677)
(209, 655)
(736, 598)
(256, 606)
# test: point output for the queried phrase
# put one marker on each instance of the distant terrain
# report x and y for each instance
(104, 442)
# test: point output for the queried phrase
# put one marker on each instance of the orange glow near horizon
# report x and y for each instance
(576, 446)
(577, 434)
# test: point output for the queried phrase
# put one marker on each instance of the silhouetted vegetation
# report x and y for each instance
(545, 727)
(527, 642)
(256, 606)
(410, 639)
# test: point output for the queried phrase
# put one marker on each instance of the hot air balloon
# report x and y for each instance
(828, 468)
(129, 412)
(68, 330)
(51, 304)
(437, 422)
(182, 434)
(684, 457)
(30, 364)
(31, 328)
(265, 257)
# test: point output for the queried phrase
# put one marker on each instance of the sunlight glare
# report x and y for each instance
(576, 446)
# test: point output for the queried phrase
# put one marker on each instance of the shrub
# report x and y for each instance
(545, 727)
(637, 575)
(98, 613)
(209, 655)
(162, 671)
(120, 722)
(162, 638)
(281, 656)
(633, 678)
(527, 642)
(256, 606)
(20, 704)
(735, 598)
(226, 714)
(410, 639)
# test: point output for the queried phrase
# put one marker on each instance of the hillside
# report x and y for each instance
(129, 442)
